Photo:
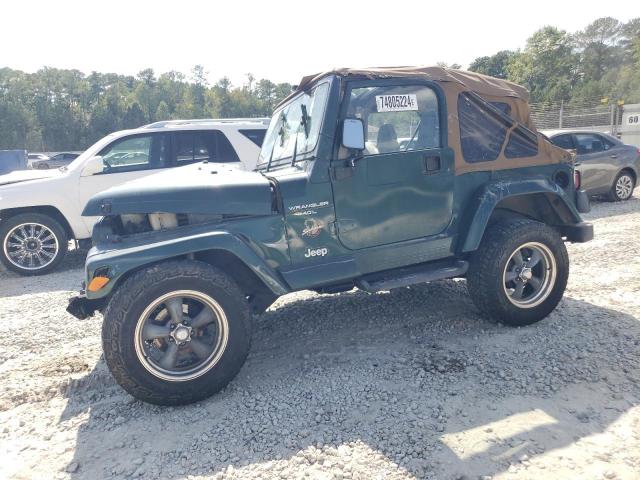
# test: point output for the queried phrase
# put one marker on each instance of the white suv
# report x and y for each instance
(40, 210)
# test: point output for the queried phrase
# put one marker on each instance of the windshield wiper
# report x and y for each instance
(304, 121)
(281, 132)
(270, 157)
(295, 151)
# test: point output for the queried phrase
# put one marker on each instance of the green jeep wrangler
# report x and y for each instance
(375, 179)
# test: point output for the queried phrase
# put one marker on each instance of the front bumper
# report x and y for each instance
(578, 232)
(81, 307)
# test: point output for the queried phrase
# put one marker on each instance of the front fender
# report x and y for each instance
(547, 197)
(126, 259)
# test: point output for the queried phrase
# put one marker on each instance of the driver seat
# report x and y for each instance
(387, 139)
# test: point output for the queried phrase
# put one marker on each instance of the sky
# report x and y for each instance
(281, 40)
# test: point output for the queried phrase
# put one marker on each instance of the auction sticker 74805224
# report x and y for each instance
(397, 103)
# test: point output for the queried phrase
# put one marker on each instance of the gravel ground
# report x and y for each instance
(404, 384)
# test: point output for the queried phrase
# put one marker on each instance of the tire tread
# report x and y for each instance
(121, 302)
(483, 279)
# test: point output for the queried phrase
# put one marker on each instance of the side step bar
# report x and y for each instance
(411, 275)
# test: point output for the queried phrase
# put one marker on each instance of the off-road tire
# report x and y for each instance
(136, 293)
(485, 278)
(51, 223)
(613, 195)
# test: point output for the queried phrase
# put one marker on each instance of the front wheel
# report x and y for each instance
(519, 273)
(176, 332)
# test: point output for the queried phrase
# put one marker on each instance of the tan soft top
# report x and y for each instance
(454, 82)
(481, 84)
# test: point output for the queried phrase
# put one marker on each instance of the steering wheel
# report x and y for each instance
(106, 163)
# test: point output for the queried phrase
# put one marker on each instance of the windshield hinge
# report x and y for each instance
(342, 172)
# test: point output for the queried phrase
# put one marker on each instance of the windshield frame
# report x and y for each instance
(265, 162)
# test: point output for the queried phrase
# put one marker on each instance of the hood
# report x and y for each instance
(200, 188)
(27, 175)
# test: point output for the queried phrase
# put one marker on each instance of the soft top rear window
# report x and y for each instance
(522, 143)
(503, 107)
(483, 129)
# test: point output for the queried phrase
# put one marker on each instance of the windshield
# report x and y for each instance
(89, 152)
(294, 128)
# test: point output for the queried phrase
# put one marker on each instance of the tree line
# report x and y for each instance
(54, 109)
(602, 61)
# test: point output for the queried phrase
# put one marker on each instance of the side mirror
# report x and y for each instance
(353, 134)
(93, 166)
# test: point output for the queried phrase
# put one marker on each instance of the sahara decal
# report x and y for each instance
(312, 228)
(397, 103)
(316, 252)
(307, 208)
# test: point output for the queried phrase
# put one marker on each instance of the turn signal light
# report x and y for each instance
(97, 283)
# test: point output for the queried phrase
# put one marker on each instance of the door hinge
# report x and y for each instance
(342, 172)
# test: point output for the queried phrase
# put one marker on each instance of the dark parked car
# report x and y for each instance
(607, 166)
(55, 161)
(36, 157)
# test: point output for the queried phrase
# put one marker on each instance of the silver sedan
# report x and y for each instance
(58, 160)
(606, 165)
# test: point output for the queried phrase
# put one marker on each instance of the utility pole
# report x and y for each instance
(614, 105)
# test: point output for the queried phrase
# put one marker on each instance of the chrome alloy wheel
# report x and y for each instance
(181, 335)
(30, 246)
(624, 187)
(529, 275)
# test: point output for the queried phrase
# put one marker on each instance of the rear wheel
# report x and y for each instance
(32, 243)
(519, 273)
(622, 188)
(176, 333)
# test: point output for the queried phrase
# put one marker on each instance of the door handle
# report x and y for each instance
(614, 155)
(431, 164)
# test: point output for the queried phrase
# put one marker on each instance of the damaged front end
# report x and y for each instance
(171, 215)
(113, 228)
(191, 195)
(82, 308)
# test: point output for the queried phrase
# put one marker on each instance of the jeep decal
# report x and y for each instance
(316, 252)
